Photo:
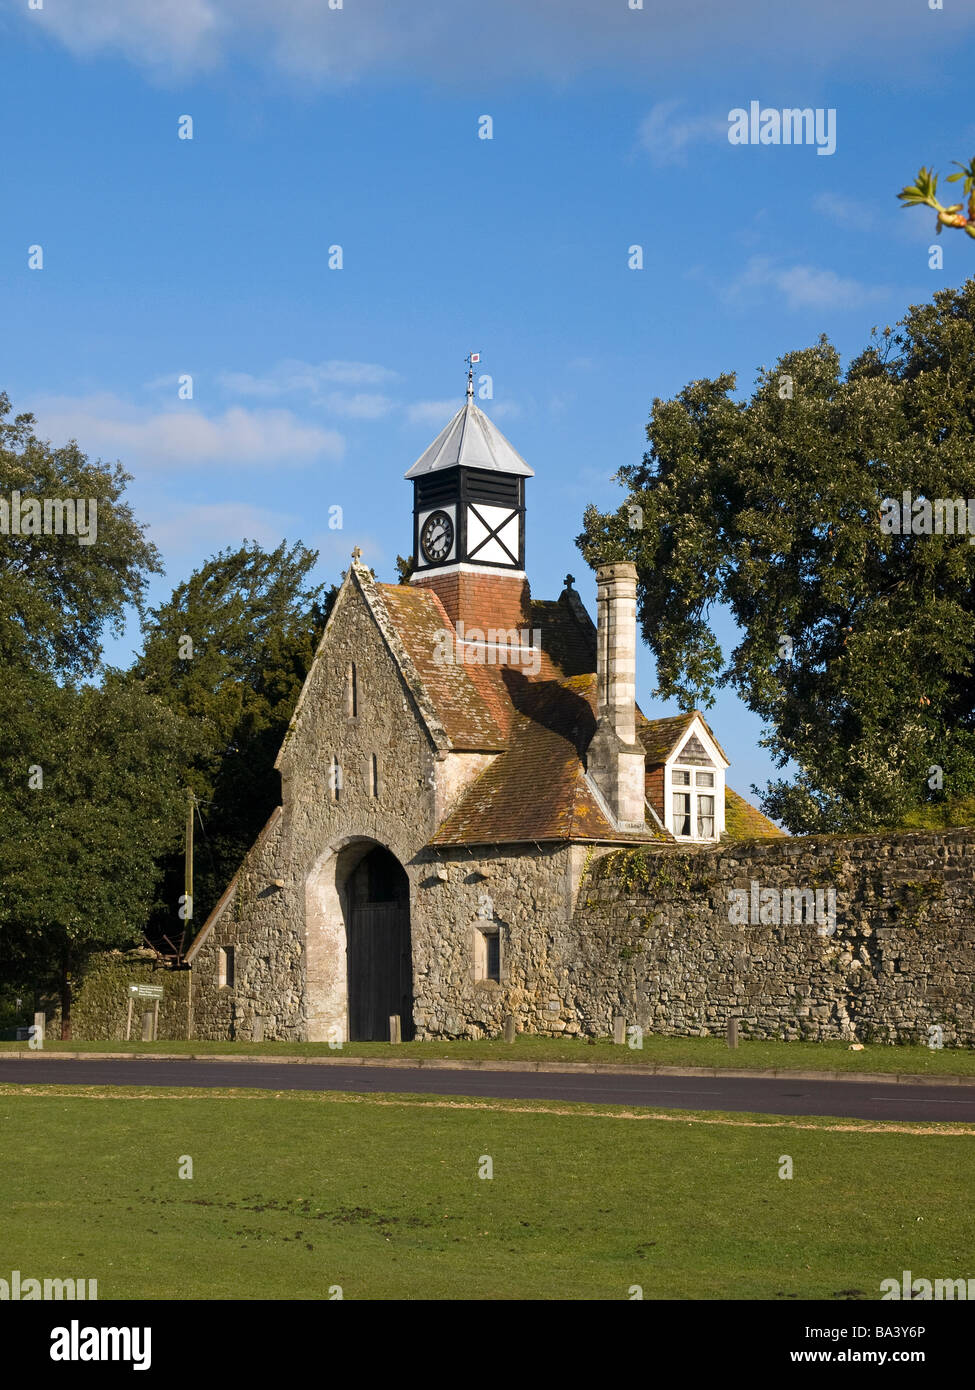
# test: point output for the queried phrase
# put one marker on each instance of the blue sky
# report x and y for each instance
(359, 127)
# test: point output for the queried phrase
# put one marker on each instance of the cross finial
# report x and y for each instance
(570, 579)
(356, 554)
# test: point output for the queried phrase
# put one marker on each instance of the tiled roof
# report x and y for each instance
(537, 789)
(569, 645)
(744, 821)
(661, 736)
(461, 700)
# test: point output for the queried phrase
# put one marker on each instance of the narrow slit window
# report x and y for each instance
(374, 775)
(351, 691)
(487, 953)
(225, 967)
(335, 778)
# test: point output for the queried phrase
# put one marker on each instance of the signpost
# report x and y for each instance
(154, 992)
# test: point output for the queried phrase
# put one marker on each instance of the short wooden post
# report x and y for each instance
(395, 1029)
(155, 1021)
(509, 1029)
(619, 1030)
(147, 1026)
(40, 1023)
(128, 1021)
(732, 1032)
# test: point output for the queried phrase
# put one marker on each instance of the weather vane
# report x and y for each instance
(470, 359)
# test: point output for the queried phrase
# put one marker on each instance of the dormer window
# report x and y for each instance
(692, 784)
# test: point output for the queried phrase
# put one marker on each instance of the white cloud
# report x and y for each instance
(167, 36)
(110, 428)
(316, 383)
(802, 286)
(554, 38)
(293, 377)
(666, 136)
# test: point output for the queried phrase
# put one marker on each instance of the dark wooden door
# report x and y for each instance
(380, 971)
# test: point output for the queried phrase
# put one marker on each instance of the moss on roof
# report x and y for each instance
(743, 821)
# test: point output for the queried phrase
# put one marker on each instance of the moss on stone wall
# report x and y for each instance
(100, 1002)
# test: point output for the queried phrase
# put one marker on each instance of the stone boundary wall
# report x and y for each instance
(656, 941)
(100, 1002)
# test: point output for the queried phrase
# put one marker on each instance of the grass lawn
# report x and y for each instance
(656, 1051)
(293, 1194)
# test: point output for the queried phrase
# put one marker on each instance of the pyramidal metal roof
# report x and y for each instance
(471, 441)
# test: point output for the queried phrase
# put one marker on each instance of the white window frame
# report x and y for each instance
(692, 788)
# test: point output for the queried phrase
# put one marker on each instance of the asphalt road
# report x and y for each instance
(774, 1096)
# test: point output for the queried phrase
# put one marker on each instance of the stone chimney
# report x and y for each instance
(615, 761)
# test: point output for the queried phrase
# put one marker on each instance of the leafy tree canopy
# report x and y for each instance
(58, 595)
(857, 642)
(230, 650)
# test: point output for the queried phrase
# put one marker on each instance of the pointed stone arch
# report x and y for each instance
(358, 953)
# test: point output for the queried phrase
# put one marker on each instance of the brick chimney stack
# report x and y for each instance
(615, 761)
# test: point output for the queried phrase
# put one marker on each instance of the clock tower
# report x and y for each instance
(469, 519)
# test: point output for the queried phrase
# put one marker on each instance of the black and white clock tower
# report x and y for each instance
(469, 498)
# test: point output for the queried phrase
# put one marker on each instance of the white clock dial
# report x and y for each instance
(437, 537)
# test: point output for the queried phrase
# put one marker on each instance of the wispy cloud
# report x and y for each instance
(310, 41)
(666, 136)
(109, 427)
(802, 286)
(319, 384)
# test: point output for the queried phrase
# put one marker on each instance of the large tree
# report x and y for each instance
(91, 799)
(856, 642)
(58, 594)
(89, 776)
(230, 650)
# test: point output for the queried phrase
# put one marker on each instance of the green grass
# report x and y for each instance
(656, 1051)
(295, 1193)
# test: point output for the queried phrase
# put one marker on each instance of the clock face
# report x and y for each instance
(437, 537)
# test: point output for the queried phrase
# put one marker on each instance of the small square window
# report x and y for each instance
(704, 779)
(681, 779)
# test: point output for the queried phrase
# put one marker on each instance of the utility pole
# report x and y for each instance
(188, 881)
(188, 899)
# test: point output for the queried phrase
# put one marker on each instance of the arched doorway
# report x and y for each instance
(376, 902)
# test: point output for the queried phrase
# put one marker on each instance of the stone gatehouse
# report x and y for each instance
(459, 754)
